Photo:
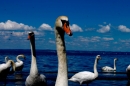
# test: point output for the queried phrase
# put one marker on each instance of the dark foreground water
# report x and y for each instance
(77, 61)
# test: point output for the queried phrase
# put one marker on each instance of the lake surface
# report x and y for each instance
(77, 61)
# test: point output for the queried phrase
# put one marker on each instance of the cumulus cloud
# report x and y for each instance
(104, 29)
(90, 29)
(6, 37)
(123, 28)
(45, 27)
(75, 28)
(12, 25)
(89, 39)
(107, 39)
(18, 33)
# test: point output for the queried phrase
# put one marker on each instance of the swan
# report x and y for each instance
(62, 26)
(5, 69)
(34, 78)
(107, 68)
(6, 59)
(86, 76)
(19, 63)
(128, 72)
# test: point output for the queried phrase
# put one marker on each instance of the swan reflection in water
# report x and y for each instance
(19, 79)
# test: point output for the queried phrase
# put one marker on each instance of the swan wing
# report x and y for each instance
(81, 77)
(18, 64)
(107, 68)
(39, 80)
(3, 67)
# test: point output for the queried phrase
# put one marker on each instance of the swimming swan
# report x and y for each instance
(34, 78)
(19, 64)
(5, 69)
(62, 26)
(6, 59)
(107, 68)
(86, 76)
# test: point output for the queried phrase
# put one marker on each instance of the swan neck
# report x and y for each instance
(11, 62)
(95, 68)
(33, 70)
(62, 77)
(6, 59)
(114, 64)
(17, 58)
(33, 50)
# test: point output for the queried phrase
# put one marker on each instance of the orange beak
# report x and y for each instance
(67, 29)
(28, 37)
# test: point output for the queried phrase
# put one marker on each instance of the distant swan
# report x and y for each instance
(5, 69)
(86, 76)
(6, 59)
(62, 26)
(107, 68)
(19, 64)
(34, 78)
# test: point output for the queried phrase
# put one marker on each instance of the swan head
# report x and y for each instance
(22, 55)
(6, 59)
(115, 59)
(30, 35)
(12, 64)
(98, 57)
(63, 23)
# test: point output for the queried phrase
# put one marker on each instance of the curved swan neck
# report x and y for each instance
(17, 58)
(11, 62)
(95, 68)
(33, 70)
(6, 59)
(114, 64)
(62, 77)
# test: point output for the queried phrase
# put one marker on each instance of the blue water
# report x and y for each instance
(77, 61)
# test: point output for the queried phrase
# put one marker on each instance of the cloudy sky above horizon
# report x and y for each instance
(96, 25)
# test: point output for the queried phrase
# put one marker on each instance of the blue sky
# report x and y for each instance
(97, 25)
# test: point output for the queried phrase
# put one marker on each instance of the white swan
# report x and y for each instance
(128, 72)
(5, 69)
(34, 78)
(19, 64)
(62, 26)
(6, 59)
(86, 76)
(107, 68)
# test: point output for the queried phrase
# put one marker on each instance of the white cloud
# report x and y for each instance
(95, 39)
(75, 28)
(90, 29)
(89, 39)
(51, 41)
(45, 27)
(18, 33)
(12, 25)
(123, 28)
(104, 29)
(107, 39)
(6, 37)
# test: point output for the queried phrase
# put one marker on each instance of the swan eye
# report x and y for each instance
(64, 21)
(67, 22)
(31, 34)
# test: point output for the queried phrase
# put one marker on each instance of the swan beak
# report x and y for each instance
(67, 29)
(28, 37)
